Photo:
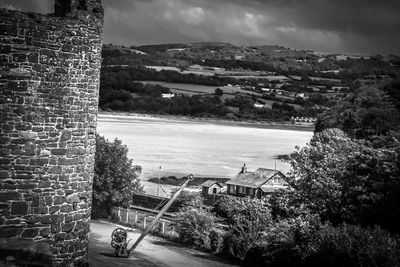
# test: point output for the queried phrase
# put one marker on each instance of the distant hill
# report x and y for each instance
(262, 58)
(222, 80)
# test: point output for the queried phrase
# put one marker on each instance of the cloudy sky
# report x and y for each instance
(352, 26)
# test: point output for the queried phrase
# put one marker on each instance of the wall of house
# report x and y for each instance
(210, 190)
(49, 82)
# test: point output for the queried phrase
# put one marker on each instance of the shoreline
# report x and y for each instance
(215, 121)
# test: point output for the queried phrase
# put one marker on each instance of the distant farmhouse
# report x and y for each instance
(259, 105)
(303, 120)
(256, 184)
(169, 95)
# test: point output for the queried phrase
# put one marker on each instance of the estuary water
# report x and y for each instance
(204, 149)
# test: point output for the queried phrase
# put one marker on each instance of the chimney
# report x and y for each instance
(244, 168)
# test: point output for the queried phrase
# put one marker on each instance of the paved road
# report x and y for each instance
(152, 251)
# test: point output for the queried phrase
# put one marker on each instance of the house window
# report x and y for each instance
(214, 190)
(232, 189)
(277, 180)
(242, 190)
(251, 192)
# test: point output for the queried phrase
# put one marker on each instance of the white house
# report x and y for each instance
(256, 184)
(211, 187)
(259, 105)
(170, 95)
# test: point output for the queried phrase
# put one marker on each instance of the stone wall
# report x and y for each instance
(49, 82)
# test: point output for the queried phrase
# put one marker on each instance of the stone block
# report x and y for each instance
(5, 174)
(44, 232)
(27, 186)
(54, 209)
(5, 161)
(44, 184)
(71, 236)
(4, 206)
(10, 231)
(55, 228)
(66, 208)
(79, 225)
(68, 227)
(33, 57)
(69, 218)
(59, 200)
(29, 149)
(20, 57)
(65, 136)
(35, 200)
(57, 218)
(13, 222)
(48, 200)
(59, 237)
(11, 195)
(23, 126)
(59, 152)
(19, 208)
(41, 210)
(30, 233)
(39, 161)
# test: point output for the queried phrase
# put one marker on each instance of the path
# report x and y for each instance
(152, 251)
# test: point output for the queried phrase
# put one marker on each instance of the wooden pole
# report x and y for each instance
(162, 211)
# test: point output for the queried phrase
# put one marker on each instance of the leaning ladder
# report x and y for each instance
(162, 211)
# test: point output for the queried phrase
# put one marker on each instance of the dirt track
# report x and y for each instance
(152, 251)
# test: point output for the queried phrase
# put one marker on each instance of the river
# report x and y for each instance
(205, 149)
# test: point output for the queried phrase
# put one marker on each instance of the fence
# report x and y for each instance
(141, 219)
(151, 202)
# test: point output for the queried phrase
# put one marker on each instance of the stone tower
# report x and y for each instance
(49, 83)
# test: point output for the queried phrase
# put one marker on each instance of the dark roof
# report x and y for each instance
(253, 179)
(209, 183)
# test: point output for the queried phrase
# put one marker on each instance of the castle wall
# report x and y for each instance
(49, 82)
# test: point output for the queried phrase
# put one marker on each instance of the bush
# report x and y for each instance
(247, 220)
(349, 245)
(194, 227)
(302, 244)
(216, 240)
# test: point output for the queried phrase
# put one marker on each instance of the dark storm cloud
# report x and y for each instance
(365, 26)
(370, 26)
(39, 6)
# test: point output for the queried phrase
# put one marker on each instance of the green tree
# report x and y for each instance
(219, 92)
(115, 178)
(346, 180)
(367, 113)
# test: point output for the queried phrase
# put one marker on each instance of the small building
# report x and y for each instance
(256, 184)
(211, 187)
(169, 96)
(302, 95)
(259, 105)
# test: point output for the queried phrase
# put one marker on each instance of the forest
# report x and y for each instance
(121, 91)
